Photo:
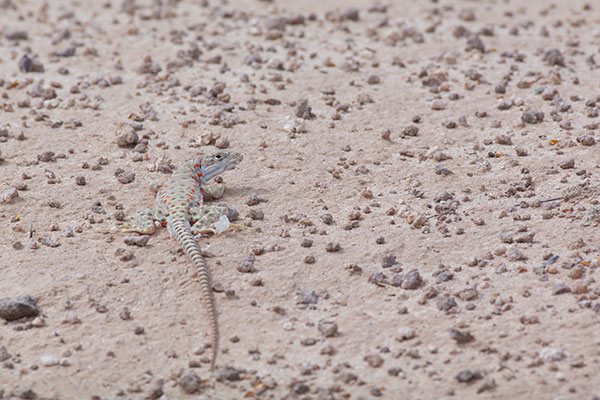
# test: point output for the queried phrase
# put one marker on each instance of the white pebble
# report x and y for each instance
(49, 361)
(405, 333)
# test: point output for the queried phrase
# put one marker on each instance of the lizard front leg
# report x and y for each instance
(212, 191)
(143, 221)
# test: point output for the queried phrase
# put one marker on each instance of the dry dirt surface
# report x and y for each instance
(420, 182)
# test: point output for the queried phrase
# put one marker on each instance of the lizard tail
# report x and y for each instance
(180, 228)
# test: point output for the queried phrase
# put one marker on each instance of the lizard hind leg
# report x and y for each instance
(204, 218)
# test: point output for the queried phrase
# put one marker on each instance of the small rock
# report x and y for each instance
(412, 280)
(256, 215)
(23, 392)
(66, 52)
(586, 140)
(446, 303)
(128, 139)
(229, 374)
(466, 376)
(303, 110)
(438, 105)
(328, 328)
(8, 195)
(46, 156)
(140, 241)
(525, 237)
(373, 79)
(521, 151)
(124, 255)
(532, 117)
(567, 163)
(306, 243)
(374, 360)
(190, 383)
(332, 247)
(461, 337)
(504, 140)
(27, 64)
(561, 288)
(475, 43)
(405, 333)
(554, 57)
(13, 308)
(308, 296)
(441, 170)
(552, 355)
(246, 265)
(13, 34)
(351, 14)
(308, 341)
(327, 219)
(410, 130)
(516, 255)
(310, 259)
(49, 361)
(126, 177)
(4, 354)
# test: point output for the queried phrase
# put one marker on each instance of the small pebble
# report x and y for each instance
(190, 383)
(438, 105)
(49, 361)
(567, 163)
(13, 308)
(461, 337)
(139, 241)
(333, 247)
(374, 360)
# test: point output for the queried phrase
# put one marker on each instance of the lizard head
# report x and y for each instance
(209, 166)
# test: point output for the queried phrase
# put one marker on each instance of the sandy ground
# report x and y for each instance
(424, 226)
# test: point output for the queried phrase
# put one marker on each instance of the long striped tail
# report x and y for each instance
(180, 228)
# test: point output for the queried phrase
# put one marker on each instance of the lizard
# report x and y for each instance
(179, 207)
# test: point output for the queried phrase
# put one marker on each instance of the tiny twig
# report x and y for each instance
(546, 201)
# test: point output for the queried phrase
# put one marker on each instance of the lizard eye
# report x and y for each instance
(218, 156)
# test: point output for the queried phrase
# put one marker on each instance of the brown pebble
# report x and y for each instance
(8, 195)
(140, 241)
(190, 383)
(309, 259)
(306, 242)
(521, 151)
(461, 337)
(124, 254)
(374, 360)
(128, 139)
(567, 163)
(373, 79)
(125, 177)
(328, 328)
(332, 247)
(256, 215)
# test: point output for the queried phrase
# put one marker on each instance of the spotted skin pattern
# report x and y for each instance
(179, 207)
